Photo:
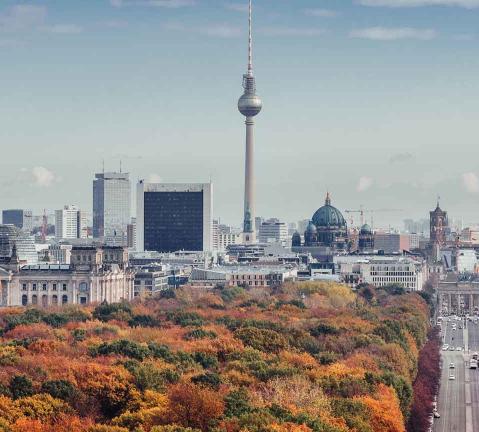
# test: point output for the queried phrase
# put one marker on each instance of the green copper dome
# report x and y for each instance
(328, 216)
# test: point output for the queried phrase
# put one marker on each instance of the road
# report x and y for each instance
(458, 401)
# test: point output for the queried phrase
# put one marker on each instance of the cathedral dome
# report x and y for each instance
(328, 216)
(366, 230)
(311, 228)
(296, 239)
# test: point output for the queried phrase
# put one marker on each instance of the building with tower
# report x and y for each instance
(438, 224)
(366, 239)
(249, 105)
(327, 228)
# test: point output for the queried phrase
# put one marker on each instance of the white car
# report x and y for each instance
(445, 347)
(452, 365)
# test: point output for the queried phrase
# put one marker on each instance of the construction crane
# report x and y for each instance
(362, 212)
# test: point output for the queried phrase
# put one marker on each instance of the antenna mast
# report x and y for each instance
(250, 40)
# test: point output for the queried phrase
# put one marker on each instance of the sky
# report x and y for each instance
(373, 100)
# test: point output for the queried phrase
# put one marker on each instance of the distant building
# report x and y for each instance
(173, 217)
(243, 276)
(381, 271)
(466, 261)
(111, 207)
(366, 238)
(150, 280)
(131, 234)
(70, 223)
(22, 219)
(391, 243)
(273, 231)
(94, 275)
(10, 237)
(59, 253)
(438, 226)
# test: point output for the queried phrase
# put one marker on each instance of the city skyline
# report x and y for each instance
(351, 121)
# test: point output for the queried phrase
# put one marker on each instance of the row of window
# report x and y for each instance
(44, 287)
(384, 273)
(44, 300)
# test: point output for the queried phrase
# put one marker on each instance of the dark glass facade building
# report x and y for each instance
(174, 217)
(22, 219)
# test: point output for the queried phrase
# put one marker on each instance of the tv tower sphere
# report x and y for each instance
(249, 103)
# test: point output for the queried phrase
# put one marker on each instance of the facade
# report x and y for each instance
(391, 243)
(366, 238)
(111, 207)
(150, 280)
(70, 223)
(466, 261)
(94, 275)
(438, 226)
(174, 217)
(59, 253)
(242, 276)
(273, 231)
(10, 237)
(22, 219)
(131, 234)
(381, 271)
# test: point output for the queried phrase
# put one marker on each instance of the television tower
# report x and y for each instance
(249, 105)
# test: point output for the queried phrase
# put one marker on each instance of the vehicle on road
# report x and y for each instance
(473, 364)
(445, 347)
(452, 375)
(452, 348)
(459, 349)
(436, 414)
(452, 365)
(475, 356)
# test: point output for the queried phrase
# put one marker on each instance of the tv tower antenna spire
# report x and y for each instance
(249, 105)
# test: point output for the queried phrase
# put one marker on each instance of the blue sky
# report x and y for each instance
(375, 100)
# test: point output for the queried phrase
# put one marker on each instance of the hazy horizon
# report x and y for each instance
(372, 100)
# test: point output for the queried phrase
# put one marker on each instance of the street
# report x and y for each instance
(458, 402)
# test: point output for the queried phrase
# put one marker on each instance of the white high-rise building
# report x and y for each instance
(70, 223)
(174, 217)
(111, 207)
(273, 231)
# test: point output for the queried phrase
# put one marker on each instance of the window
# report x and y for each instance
(54, 287)
(24, 300)
(44, 287)
(64, 287)
(64, 299)
(34, 299)
(34, 287)
(44, 300)
(24, 287)
(55, 300)
(82, 300)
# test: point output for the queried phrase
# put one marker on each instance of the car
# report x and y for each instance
(452, 365)
(436, 414)
(452, 376)
(459, 349)
(452, 348)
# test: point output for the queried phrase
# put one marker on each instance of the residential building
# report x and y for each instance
(273, 231)
(150, 280)
(391, 243)
(70, 223)
(111, 207)
(174, 217)
(22, 219)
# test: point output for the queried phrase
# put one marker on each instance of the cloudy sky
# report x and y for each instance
(375, 100)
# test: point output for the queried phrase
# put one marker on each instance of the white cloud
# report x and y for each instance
(470, 182)
(63, 29)
(392, 34)
(22, 17)
(154, 178)
(364, 184)
(170, 4)
(42, 177)
(468, 4)
(318, 12)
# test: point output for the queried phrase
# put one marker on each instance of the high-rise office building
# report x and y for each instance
(111, 207)
(15, 241)
(173, 217)
(22, 219)
(70, 223)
